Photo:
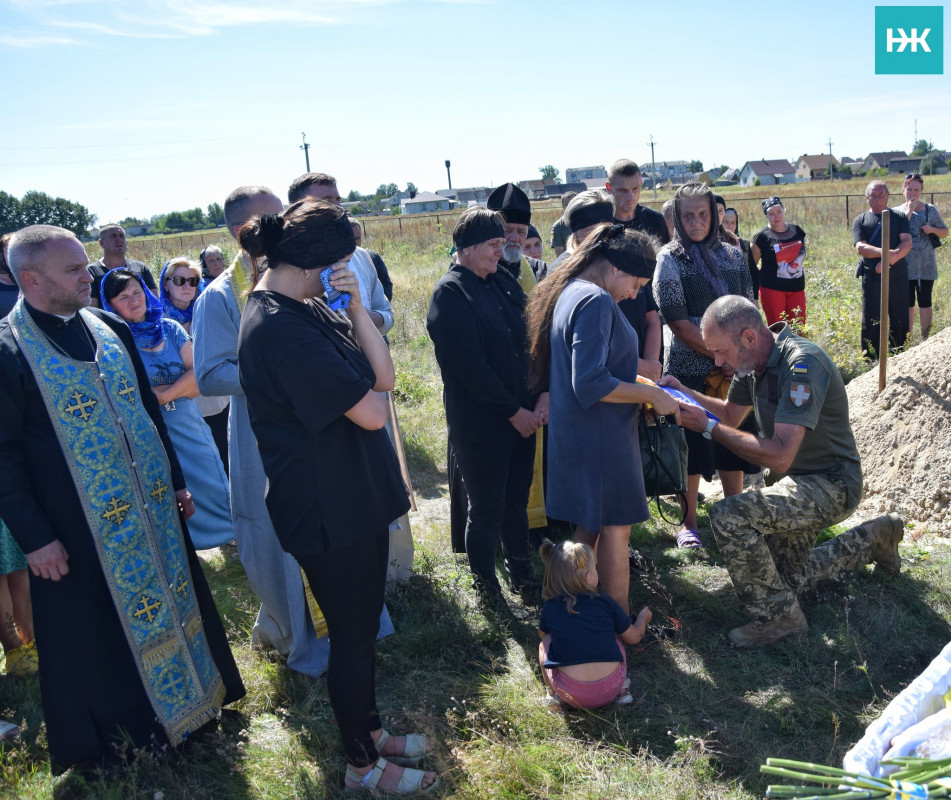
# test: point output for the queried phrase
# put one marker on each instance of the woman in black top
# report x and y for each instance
(477, 325)
(316, 383)
(780, 249)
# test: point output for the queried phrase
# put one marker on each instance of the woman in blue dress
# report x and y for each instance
(584, 352)
(166, 350)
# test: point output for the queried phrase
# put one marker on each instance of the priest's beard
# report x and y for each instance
(512, 252)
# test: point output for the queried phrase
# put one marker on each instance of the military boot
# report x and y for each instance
(887, 531)
(758, 633)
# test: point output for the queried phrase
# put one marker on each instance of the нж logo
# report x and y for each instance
(903, 39)
(909, 40)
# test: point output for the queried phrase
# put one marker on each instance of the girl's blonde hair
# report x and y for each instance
(565, 566)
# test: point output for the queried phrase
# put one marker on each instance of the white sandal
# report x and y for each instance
(414, 750)
(410, 781)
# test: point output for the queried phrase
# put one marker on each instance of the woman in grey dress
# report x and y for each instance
(925, 221)
(584, 353)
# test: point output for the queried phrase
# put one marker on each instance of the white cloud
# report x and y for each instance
(10, 40)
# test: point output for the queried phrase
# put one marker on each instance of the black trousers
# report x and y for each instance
(348, 585)
(497, 478)
(897, 310)
(219, 432)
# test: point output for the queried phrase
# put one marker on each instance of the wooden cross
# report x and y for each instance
(127, 390)
(116, 511)
(159, 490)
(147, 609)
(80, 405)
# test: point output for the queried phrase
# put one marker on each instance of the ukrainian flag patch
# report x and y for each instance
(801, 369)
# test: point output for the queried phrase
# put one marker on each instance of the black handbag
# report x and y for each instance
(935, 240)
(664, 461)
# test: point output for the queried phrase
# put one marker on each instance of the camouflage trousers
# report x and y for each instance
(768, 539)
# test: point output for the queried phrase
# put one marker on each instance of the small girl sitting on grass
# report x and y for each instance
(583, 631)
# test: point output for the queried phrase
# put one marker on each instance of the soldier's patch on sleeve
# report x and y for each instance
(800, 370)
(800, 393)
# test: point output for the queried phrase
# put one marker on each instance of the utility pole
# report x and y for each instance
(305, 147)
(448, 174)
(653, 166)
(831, 165)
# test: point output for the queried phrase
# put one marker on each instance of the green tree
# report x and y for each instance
(9, 213)
(216, 214)
(928, 164)
(549, 173)
(354, 196)
(696, 166)
(130, 222)
(38, 208)
(922, 147)
(411, 189)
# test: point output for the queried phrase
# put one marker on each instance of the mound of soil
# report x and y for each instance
(904, 436)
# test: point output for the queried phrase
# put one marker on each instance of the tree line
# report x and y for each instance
(39, 208)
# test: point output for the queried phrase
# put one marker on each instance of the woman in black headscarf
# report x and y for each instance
(693, 270)
(477, 326)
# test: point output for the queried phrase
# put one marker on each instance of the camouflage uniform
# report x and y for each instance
(767, 536)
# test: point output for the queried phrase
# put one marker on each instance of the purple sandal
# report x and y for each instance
(689, 539)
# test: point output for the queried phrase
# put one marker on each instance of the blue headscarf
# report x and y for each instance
(148, 333)
(180, 315)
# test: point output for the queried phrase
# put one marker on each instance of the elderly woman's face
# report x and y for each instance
(695, 217)
(214, 262)
(483, 258)
(729, 221)
(178, 286)
(130, 302)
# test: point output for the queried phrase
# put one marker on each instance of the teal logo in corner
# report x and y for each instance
(909, 40)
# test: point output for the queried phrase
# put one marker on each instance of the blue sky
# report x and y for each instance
(137, 108)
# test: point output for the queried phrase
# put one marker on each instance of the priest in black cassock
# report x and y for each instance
(131, 647)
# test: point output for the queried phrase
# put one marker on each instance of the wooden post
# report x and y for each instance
(848, 219)
(883, 321)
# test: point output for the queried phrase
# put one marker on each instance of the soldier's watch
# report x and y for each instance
(708, 431)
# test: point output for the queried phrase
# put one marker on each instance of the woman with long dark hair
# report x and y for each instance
(584, 352)
(316, 383)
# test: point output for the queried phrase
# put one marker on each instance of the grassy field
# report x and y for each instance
(705, 716)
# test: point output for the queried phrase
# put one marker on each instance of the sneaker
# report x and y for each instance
(22, 661)
(888, 532)
(757, 633)
(623, 699)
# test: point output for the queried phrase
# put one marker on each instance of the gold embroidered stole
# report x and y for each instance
(122, 477)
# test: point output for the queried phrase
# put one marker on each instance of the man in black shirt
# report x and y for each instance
(624, 185)
(867, 238)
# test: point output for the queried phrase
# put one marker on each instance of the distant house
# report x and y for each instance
(535, 189)
(596, 183)
(389, 203)
(578, 174)
(857, 167)
(678, 172)
(558, 189)
(425, 203)
(471, 195)
(912, 164)
(881, 160)
(769, 172)
(708, 177)
(729, 178)
(809, 167)
(139, 230)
